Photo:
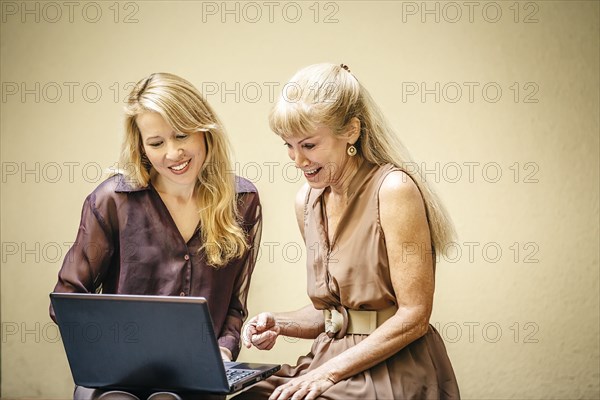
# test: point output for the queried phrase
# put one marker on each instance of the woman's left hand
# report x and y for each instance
(309, 386)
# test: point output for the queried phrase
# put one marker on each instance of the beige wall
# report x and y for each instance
(518, 170)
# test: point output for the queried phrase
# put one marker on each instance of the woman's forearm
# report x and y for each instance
(306, 323)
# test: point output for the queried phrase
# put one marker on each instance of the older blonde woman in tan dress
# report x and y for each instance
(371, 230)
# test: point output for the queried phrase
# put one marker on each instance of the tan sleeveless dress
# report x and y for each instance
(353, 271)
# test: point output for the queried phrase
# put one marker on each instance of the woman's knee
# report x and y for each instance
(83, 393)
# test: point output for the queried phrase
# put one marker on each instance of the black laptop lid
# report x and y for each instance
(135, 342)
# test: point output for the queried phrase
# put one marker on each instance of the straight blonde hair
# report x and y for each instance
(185, 110)
(330, 95)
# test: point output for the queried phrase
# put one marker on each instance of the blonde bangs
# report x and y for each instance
(321, 94)
(289, 119)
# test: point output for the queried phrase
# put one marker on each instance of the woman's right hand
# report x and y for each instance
(261, 331)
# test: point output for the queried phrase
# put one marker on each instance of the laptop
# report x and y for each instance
(147, 343)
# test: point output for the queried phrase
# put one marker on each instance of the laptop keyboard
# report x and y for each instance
(236, 375)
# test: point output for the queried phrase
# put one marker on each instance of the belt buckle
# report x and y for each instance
(336, 322)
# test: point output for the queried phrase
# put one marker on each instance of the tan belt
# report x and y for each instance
(340, 322)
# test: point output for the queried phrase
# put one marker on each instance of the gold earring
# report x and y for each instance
(351, 150)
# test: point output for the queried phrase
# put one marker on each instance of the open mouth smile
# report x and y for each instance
(180, 167)
(312, 172)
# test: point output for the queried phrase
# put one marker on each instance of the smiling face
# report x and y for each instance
(177, 157)
(322, 156)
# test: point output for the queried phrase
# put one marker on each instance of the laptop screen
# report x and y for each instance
(140, 342)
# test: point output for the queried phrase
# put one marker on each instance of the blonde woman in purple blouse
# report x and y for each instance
(175, 222)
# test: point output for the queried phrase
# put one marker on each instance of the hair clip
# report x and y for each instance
(344, 66)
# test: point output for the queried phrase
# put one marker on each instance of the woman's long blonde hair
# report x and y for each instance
(184, 109)
(328, 94)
